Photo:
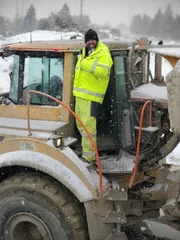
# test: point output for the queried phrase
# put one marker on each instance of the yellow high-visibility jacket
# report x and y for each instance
(92, 74)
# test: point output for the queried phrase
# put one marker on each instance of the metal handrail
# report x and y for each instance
(139, 140)
(82, 124)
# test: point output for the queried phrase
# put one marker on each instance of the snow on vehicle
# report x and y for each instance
(46, 191)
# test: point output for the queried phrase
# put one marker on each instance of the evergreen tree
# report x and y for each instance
(44, 24)
(163, 25)
(136, 23)
(30, 19)
(146, 22)
(64, 19)
(156, 27)
(168, 22)
(85, 21)
(17, 25)
(4, 26)
(176, 28)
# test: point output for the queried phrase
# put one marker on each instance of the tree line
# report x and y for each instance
(59, 21)
(162, 25)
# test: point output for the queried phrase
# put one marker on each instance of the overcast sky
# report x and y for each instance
(100, 11)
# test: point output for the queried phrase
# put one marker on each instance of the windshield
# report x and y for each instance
(43, 74)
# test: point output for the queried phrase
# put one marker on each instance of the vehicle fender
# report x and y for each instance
(62, 165)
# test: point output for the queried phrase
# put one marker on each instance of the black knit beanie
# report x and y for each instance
(91, 35)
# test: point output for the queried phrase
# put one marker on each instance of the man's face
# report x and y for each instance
(91, 44)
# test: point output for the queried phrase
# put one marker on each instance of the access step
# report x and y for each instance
(116, 195)
(117, 236)
(123, 164)
(115, 217)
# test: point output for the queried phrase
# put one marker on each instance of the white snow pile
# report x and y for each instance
(151, 91)
(174, 157)
(41, 35)
(5, 65)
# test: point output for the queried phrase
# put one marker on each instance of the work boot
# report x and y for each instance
(90, 163)
(85, 160)
(78, 152)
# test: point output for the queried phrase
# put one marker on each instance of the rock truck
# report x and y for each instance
(46, 191)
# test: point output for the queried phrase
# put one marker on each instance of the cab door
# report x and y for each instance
(115, 125)
(122, 105)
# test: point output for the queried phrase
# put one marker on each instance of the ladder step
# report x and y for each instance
(116, 195)
(69, 141)
(115, 217)
(148, 129)
(117, 236)
(134, 212)
(114, 165)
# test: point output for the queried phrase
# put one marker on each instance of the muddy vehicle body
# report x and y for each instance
(46, 191)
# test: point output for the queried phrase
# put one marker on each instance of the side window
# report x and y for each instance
(45, 75)
(56, 67)
(32, 71)
(13, 94)
(120, 78)
(56, 78)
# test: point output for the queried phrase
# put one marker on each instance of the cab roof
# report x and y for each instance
(58, 46)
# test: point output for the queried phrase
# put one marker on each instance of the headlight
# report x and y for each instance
(57, 141)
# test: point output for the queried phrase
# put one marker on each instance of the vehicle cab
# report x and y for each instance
(48, 67)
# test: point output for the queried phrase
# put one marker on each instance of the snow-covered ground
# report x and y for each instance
(4, 74)
(44, 35)
(5, 64)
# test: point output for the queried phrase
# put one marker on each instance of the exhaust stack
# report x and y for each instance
(158, 66)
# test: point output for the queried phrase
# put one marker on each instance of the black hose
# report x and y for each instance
(170, 145)
(162, 151)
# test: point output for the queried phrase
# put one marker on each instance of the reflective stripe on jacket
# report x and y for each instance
(92, 74)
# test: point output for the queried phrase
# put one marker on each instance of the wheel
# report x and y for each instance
(35, 207)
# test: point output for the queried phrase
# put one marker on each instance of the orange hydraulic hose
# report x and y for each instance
(139, 141)
(150, 114)
(79, 120)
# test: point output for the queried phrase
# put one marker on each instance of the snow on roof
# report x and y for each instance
(169, 50)
(150, 90)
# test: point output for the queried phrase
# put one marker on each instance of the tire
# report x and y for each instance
(35, 207)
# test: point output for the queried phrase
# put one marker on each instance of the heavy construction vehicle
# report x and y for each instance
(46, 191)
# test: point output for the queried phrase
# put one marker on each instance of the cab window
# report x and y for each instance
(45, 75)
